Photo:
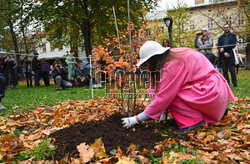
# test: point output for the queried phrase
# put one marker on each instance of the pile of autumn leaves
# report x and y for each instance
(226, 141)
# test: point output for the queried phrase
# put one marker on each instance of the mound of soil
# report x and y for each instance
(111, 132)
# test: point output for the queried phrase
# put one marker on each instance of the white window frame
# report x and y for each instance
(210, 23)
(229, 20)
(240, 19)
(52, 48)
(181, 25)
(44, 48)
(191, 25)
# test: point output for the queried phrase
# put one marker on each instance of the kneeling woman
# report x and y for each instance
(188, 86)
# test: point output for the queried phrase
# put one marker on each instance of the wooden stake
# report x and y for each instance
(116, 26)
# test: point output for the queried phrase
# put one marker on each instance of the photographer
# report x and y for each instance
(205, 44)
(9, 72)
(2, 90)
(60, 77)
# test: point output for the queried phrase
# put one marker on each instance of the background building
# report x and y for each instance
(211, 15)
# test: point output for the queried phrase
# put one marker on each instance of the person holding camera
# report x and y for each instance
(9, 72)
(60, 77)
(26, 68)
(3, 85)
(205, 44)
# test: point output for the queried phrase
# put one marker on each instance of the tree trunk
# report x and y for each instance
(248, 56)
(14, 39)
(25, 42)
(86, 30)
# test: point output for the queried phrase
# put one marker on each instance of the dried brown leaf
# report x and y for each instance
(86, 152)
(99, 149)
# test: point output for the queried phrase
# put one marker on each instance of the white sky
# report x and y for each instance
(169, 4)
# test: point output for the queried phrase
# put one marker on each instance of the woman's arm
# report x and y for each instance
(171, 82)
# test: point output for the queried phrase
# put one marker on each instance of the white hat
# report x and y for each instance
(149, 49)
(204, 29)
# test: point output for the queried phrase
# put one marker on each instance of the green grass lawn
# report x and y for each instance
(31, 97)
(17, 98)
(243, 89)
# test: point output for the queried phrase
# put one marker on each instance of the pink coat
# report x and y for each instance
(191, 89)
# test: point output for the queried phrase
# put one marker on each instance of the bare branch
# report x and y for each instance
(244, 8)
(212, 19)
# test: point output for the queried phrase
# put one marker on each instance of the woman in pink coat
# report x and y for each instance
(188, 86)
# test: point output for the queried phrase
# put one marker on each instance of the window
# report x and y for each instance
(229, 20)
(44, 48)
(51, 47)
(240, 20)
(191, 25)
(60, 48)
(181, 26)
(210, 23)
(147, 32)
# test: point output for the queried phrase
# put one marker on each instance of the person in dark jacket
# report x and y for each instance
(36, 66)
(226, 43)
(44, 72)
(86, 68)
(9, 72)
(1, 63)
(60, 77)
(2, 90)
(26, 67)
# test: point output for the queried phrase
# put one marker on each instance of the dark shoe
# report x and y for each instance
(185, 130)
(2, 107)
(225, 114)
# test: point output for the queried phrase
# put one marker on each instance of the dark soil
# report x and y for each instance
(111, 132)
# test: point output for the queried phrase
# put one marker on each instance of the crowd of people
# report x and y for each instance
(70, 72)
(227, 56)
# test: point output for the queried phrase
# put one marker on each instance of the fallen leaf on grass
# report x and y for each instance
(99, 149)
(75, 161)
(132, 147)
(110, 160)
(234, 157)
(142, 159)
(118, 152)
(213, 154)
(201, 135)
(86, 152)
(165, 160)
(209, 138)
(125, 160)
(33, 137)
(49, 130)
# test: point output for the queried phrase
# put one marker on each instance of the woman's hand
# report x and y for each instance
(227, 55)
(129, 122)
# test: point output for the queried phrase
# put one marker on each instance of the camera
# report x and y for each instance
(58, 66)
